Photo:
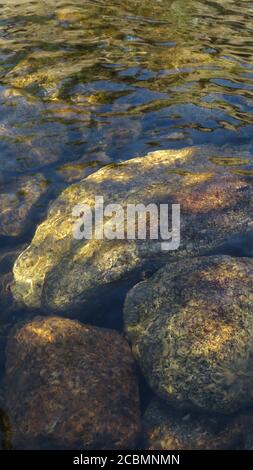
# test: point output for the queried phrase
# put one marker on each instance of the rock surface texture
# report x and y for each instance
(191, 328)
(165, 429)
(70, 386)
(17, 198)
(216, 204)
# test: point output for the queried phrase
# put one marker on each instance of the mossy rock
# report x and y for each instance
(191, 328)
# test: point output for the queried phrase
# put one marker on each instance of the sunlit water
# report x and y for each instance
(86, 83)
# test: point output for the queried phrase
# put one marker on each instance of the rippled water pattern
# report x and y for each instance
(97, 81)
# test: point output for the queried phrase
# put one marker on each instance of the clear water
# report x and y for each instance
(86, 83)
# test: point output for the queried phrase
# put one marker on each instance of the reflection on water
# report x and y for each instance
(84, 84)
(111, 79)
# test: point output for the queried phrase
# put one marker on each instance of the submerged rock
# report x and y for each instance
(7, 306)
(21, 151)
(5, 432)
(7, 303)
(57, 272)
(7, 259)
(167, 429)
(69, 14)
(77, 170)
(16, 200)
(191, 327)
(70, 386)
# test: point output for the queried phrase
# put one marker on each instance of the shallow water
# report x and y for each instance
(85, 84)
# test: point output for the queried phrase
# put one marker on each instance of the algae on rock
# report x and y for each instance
(191, 328)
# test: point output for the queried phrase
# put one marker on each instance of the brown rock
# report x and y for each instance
(168, 429)
(70, 386)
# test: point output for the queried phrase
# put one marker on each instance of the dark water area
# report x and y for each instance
(85, 84)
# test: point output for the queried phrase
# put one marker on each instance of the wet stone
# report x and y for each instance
(17, 198)
(5, 443)
(215, 206)
(77, 170)
(8, 306)
(69, 14)
(70, 385)
(167, 429)
(191, 329)
(21, 151)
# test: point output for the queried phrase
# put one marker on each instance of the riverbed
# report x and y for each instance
(85, 85)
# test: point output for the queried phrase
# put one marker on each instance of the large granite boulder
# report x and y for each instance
(168, 429)
(191, 328)
(57, 271)
(70, 386)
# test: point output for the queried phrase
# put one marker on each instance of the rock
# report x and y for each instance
(7, 259)
(77, 170)
(17, 197)
(70, 386)
(6, 298)
(19, 151)
(42, 72)
(7, 304)
(5, 431)
(31, 70)
(168, 429)
(69, 14)
(215, 206)
(191, 327)
(71, 172)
